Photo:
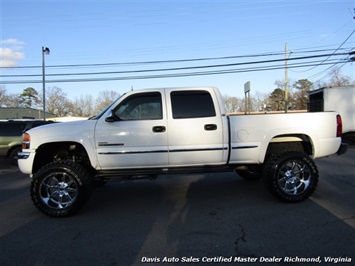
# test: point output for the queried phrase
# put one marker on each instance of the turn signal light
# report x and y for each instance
(26, 139)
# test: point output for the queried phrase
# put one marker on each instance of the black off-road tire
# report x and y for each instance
(60, 189)
(290, 176)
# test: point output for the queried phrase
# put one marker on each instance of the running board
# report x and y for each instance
(151, 173)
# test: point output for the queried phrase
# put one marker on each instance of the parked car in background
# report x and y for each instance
(11, 135)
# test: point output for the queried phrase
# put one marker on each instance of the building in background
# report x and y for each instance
(23, 113)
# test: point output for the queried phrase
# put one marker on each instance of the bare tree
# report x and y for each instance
(3, 96)
(336, 79)
(259, 100)
(233, 104)
(12, 100)
(104, 99)
(57, 102)
(84, 106)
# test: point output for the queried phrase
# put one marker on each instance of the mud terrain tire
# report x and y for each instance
(61, 188)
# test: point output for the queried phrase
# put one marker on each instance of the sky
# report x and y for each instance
(123, 45)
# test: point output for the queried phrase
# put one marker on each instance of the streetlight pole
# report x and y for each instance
(45, 51)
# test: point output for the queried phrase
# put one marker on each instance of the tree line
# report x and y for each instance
(58, 103)
(297, 94)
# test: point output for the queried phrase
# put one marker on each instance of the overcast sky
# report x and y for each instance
(117, 45)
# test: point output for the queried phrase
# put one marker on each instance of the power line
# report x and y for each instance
(176, 75)
(169, 61)
(320, 73)
(336, 49)
(181, 68)
(132, 74)
(149, 62)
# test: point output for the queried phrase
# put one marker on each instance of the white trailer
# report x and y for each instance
(340, 99)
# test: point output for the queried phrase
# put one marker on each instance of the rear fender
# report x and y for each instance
(289, 136)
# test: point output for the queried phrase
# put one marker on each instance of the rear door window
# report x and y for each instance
(192, 104)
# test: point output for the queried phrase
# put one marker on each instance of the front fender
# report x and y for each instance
(85, 143)
(51, 136)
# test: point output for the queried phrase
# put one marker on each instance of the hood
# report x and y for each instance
(57, 126)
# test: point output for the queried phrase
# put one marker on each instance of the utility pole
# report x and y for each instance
(286, 79)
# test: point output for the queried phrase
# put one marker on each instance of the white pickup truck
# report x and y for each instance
(151, 132)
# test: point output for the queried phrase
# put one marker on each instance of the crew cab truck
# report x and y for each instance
(151, 132)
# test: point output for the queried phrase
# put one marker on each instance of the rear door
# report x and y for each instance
(195, 128)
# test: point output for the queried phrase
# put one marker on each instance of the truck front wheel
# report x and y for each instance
(290, 176)
(61, 188)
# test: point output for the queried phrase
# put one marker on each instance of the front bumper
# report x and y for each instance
(25, 162)
(23, 155)
(342, 149)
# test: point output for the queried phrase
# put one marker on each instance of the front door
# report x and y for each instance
(136, 136)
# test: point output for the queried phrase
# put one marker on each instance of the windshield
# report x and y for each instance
(105, 109)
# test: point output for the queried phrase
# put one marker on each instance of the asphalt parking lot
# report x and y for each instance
(195, 219)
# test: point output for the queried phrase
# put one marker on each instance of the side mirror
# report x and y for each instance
(111, 117)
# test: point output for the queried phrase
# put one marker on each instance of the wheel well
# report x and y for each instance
(13, 148)
(300, 143)
(60, 151)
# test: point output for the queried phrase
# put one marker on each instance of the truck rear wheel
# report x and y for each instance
(290, 176)
(61, 188)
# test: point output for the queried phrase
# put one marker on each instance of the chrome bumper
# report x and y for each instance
(23, 155)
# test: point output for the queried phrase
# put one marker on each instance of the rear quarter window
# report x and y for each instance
(9, 129)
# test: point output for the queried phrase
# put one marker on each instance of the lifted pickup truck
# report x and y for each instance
(151, 132)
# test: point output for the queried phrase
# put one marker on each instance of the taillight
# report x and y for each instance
(26, 139)
(339, 126)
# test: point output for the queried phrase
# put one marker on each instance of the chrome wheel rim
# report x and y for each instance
(58, 190)
(294, 177)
